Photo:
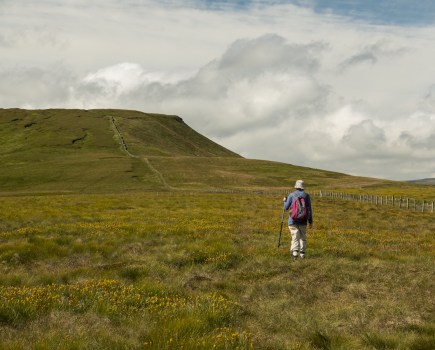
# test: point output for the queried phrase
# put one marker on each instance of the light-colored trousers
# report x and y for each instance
(299, 238)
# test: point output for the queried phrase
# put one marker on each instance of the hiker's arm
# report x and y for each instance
(310, 212)
(288, 202)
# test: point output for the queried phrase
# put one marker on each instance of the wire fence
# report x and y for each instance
(401, 202)
(395, 201)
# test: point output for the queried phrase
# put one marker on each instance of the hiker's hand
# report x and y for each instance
(284, 199)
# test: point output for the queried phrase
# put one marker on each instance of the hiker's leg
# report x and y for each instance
(303, 239)
(295, 247)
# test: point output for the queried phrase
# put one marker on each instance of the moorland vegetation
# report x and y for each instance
(168, 249)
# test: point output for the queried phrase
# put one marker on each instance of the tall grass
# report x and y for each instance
(203, 271)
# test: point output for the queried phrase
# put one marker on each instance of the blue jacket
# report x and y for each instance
(288, 203)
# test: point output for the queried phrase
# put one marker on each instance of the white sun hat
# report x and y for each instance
(299, 184)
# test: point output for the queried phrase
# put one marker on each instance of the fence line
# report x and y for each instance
(395, 201)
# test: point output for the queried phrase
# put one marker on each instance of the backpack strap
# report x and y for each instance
(296, 195)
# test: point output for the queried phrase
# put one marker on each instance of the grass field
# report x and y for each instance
(178, 270)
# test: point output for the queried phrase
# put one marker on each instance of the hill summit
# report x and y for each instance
(147, 134)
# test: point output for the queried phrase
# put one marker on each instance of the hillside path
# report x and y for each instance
(121, 138)
(124, 146)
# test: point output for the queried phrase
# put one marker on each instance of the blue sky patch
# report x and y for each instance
(388, 12)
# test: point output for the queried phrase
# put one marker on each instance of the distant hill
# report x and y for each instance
(424, 181)
(108, 150)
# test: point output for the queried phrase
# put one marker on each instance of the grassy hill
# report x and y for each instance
(80, 150)
(109, 150)
(424, 182)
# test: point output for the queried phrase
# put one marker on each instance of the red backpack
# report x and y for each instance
(299, 211)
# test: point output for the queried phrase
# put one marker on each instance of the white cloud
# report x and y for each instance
(272, 82)
(35, 87)
(126, 77)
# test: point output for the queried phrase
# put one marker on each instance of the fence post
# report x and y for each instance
(422, 207)
(400, 202)
(407, 203)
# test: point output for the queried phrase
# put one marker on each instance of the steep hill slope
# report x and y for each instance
(110, 150)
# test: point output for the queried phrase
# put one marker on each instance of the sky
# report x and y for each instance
(339, 85)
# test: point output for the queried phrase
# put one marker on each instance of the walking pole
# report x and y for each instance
(282, 221)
